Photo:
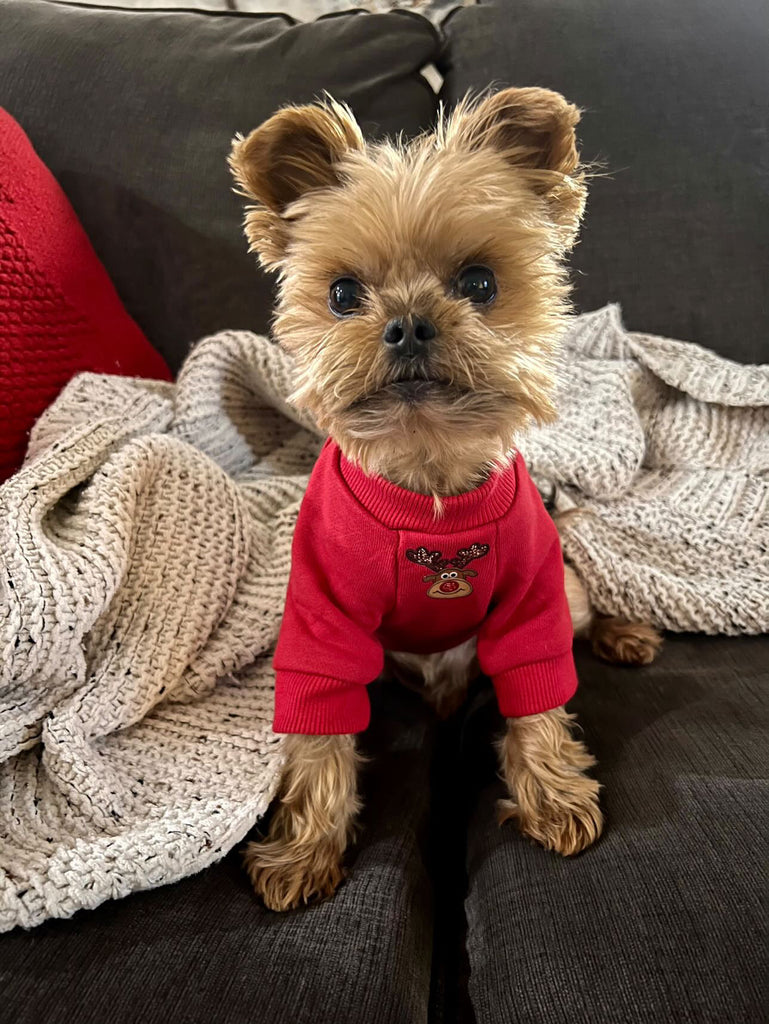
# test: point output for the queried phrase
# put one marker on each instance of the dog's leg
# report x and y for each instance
(580, 609)
(301, 859)
(551, 797)
(612, 638)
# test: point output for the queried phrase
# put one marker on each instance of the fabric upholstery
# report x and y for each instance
(664, 919)
(676, 102)
(206, 950)
(134, 111)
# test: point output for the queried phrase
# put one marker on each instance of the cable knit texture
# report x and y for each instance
(145, 551)
(663, 446)
(59, 313)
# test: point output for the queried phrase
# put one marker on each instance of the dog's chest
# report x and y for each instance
(444, 586)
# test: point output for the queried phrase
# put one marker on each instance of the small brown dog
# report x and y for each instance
(459, 235)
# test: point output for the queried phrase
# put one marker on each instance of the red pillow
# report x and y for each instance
(59, 313)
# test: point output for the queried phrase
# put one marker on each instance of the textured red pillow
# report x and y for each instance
(59, 313)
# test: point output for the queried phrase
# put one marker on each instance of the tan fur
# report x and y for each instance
(302, 858)
(291, 154)
(628, 643)
(612, 638)
(553, 800)
(579, 603)
(498, 183)
(442, 677)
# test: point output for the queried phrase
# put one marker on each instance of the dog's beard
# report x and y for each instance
(431, 427)
(436, 424)
(406, 394)
(418, 406)
(430, 436)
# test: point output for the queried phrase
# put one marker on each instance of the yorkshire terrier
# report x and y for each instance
(422, 290)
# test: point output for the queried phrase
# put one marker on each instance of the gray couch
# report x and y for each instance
(444, 917)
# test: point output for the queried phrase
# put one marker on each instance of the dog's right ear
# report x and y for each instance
(533, 130)
(296, 151)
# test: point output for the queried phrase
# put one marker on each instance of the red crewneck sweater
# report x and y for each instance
(373, 569)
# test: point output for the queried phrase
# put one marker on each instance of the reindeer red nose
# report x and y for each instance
(448, 587)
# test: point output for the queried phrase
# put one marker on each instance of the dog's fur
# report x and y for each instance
(499, 183)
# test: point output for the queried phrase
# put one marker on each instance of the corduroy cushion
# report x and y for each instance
(206, 950)
(59, 314)
(676, 101)
(134, 111)
(662, 920)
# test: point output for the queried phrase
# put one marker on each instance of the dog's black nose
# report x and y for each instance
(409, 336)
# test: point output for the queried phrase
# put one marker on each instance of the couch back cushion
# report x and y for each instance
(676, 101)
(134, 111)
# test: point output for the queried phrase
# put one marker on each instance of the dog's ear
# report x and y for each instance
(296, 151)
(533, 129)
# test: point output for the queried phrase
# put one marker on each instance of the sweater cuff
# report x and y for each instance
(318, 705)
(541, 686)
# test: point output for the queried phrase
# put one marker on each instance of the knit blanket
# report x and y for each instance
(145, 551)
(144, 556)
(663, 448)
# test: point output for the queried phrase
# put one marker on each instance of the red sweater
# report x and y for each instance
(373, 569)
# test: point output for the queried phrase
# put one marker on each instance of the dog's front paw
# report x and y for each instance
(566, 821)
(287, 875)
(552, 797)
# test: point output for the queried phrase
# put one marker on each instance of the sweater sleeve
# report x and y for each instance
(327, 650)
(525, 642)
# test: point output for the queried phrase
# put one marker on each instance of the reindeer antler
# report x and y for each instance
(430, 559)
(464, 556)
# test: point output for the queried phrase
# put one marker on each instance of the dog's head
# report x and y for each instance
(421, 284)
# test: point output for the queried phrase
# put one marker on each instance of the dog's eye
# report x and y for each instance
(345, 296)
(477, 284)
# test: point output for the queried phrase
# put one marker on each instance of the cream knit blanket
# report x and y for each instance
(664, 446)
(144, 555)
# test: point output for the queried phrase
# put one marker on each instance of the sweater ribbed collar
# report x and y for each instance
(400, 509)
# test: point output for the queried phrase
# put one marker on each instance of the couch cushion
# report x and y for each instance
(134, 111)
(676, 99)
(205, 949)
(662, 920)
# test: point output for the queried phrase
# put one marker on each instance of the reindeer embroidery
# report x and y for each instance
(448, 582)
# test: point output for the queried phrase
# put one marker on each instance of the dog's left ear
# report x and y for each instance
(296, 151)
(534, 131)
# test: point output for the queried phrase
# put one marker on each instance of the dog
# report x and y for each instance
(422, 289)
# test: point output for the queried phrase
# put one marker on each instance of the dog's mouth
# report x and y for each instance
(411, 390)
(418, 389)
